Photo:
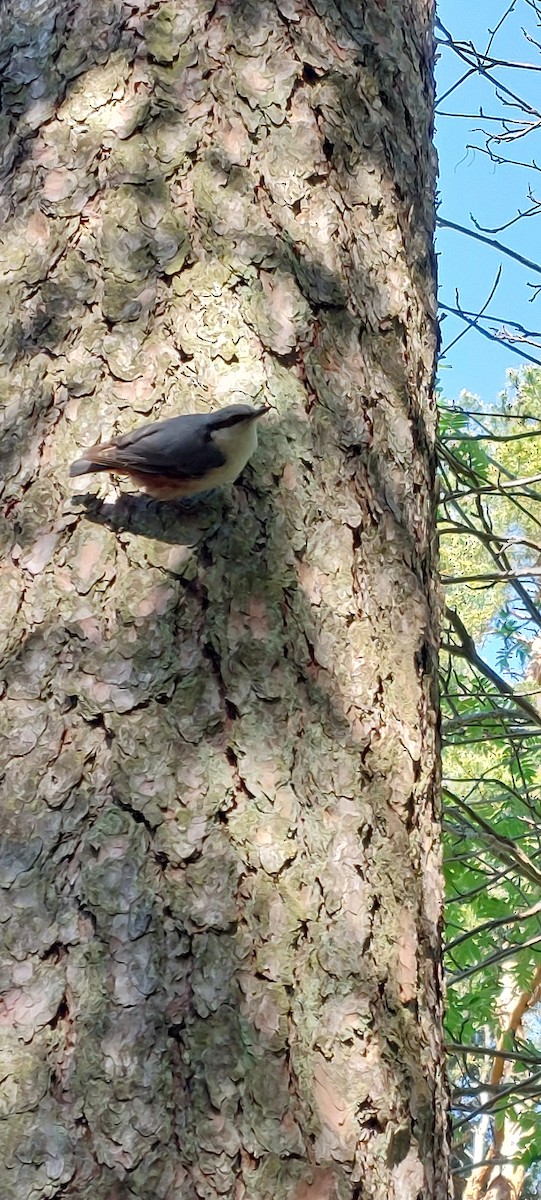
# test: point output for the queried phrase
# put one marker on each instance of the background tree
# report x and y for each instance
(220, 862)
(494, 98)
(490, 548)
(492, 725)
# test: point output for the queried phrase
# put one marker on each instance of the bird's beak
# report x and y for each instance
(265, 408)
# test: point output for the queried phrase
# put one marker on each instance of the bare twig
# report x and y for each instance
(526, 262)
(468, 651)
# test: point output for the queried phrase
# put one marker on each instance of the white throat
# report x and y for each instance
(237, 443)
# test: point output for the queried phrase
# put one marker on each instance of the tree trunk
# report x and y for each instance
(219, 861)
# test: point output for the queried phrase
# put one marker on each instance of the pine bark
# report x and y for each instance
(220, 865)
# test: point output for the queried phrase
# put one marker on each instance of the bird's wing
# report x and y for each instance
(177, 448)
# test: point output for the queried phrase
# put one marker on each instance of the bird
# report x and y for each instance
(182, 455)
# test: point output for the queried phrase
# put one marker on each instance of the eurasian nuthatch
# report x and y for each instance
(181, 456)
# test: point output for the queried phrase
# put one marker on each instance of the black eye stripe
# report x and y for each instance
(232, 421)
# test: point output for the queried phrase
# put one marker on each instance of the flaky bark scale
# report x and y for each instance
(220, 858)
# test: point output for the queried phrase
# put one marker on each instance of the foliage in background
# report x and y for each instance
(490, 525)
(491, 539)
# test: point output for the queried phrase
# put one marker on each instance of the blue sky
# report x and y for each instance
(470, 184)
